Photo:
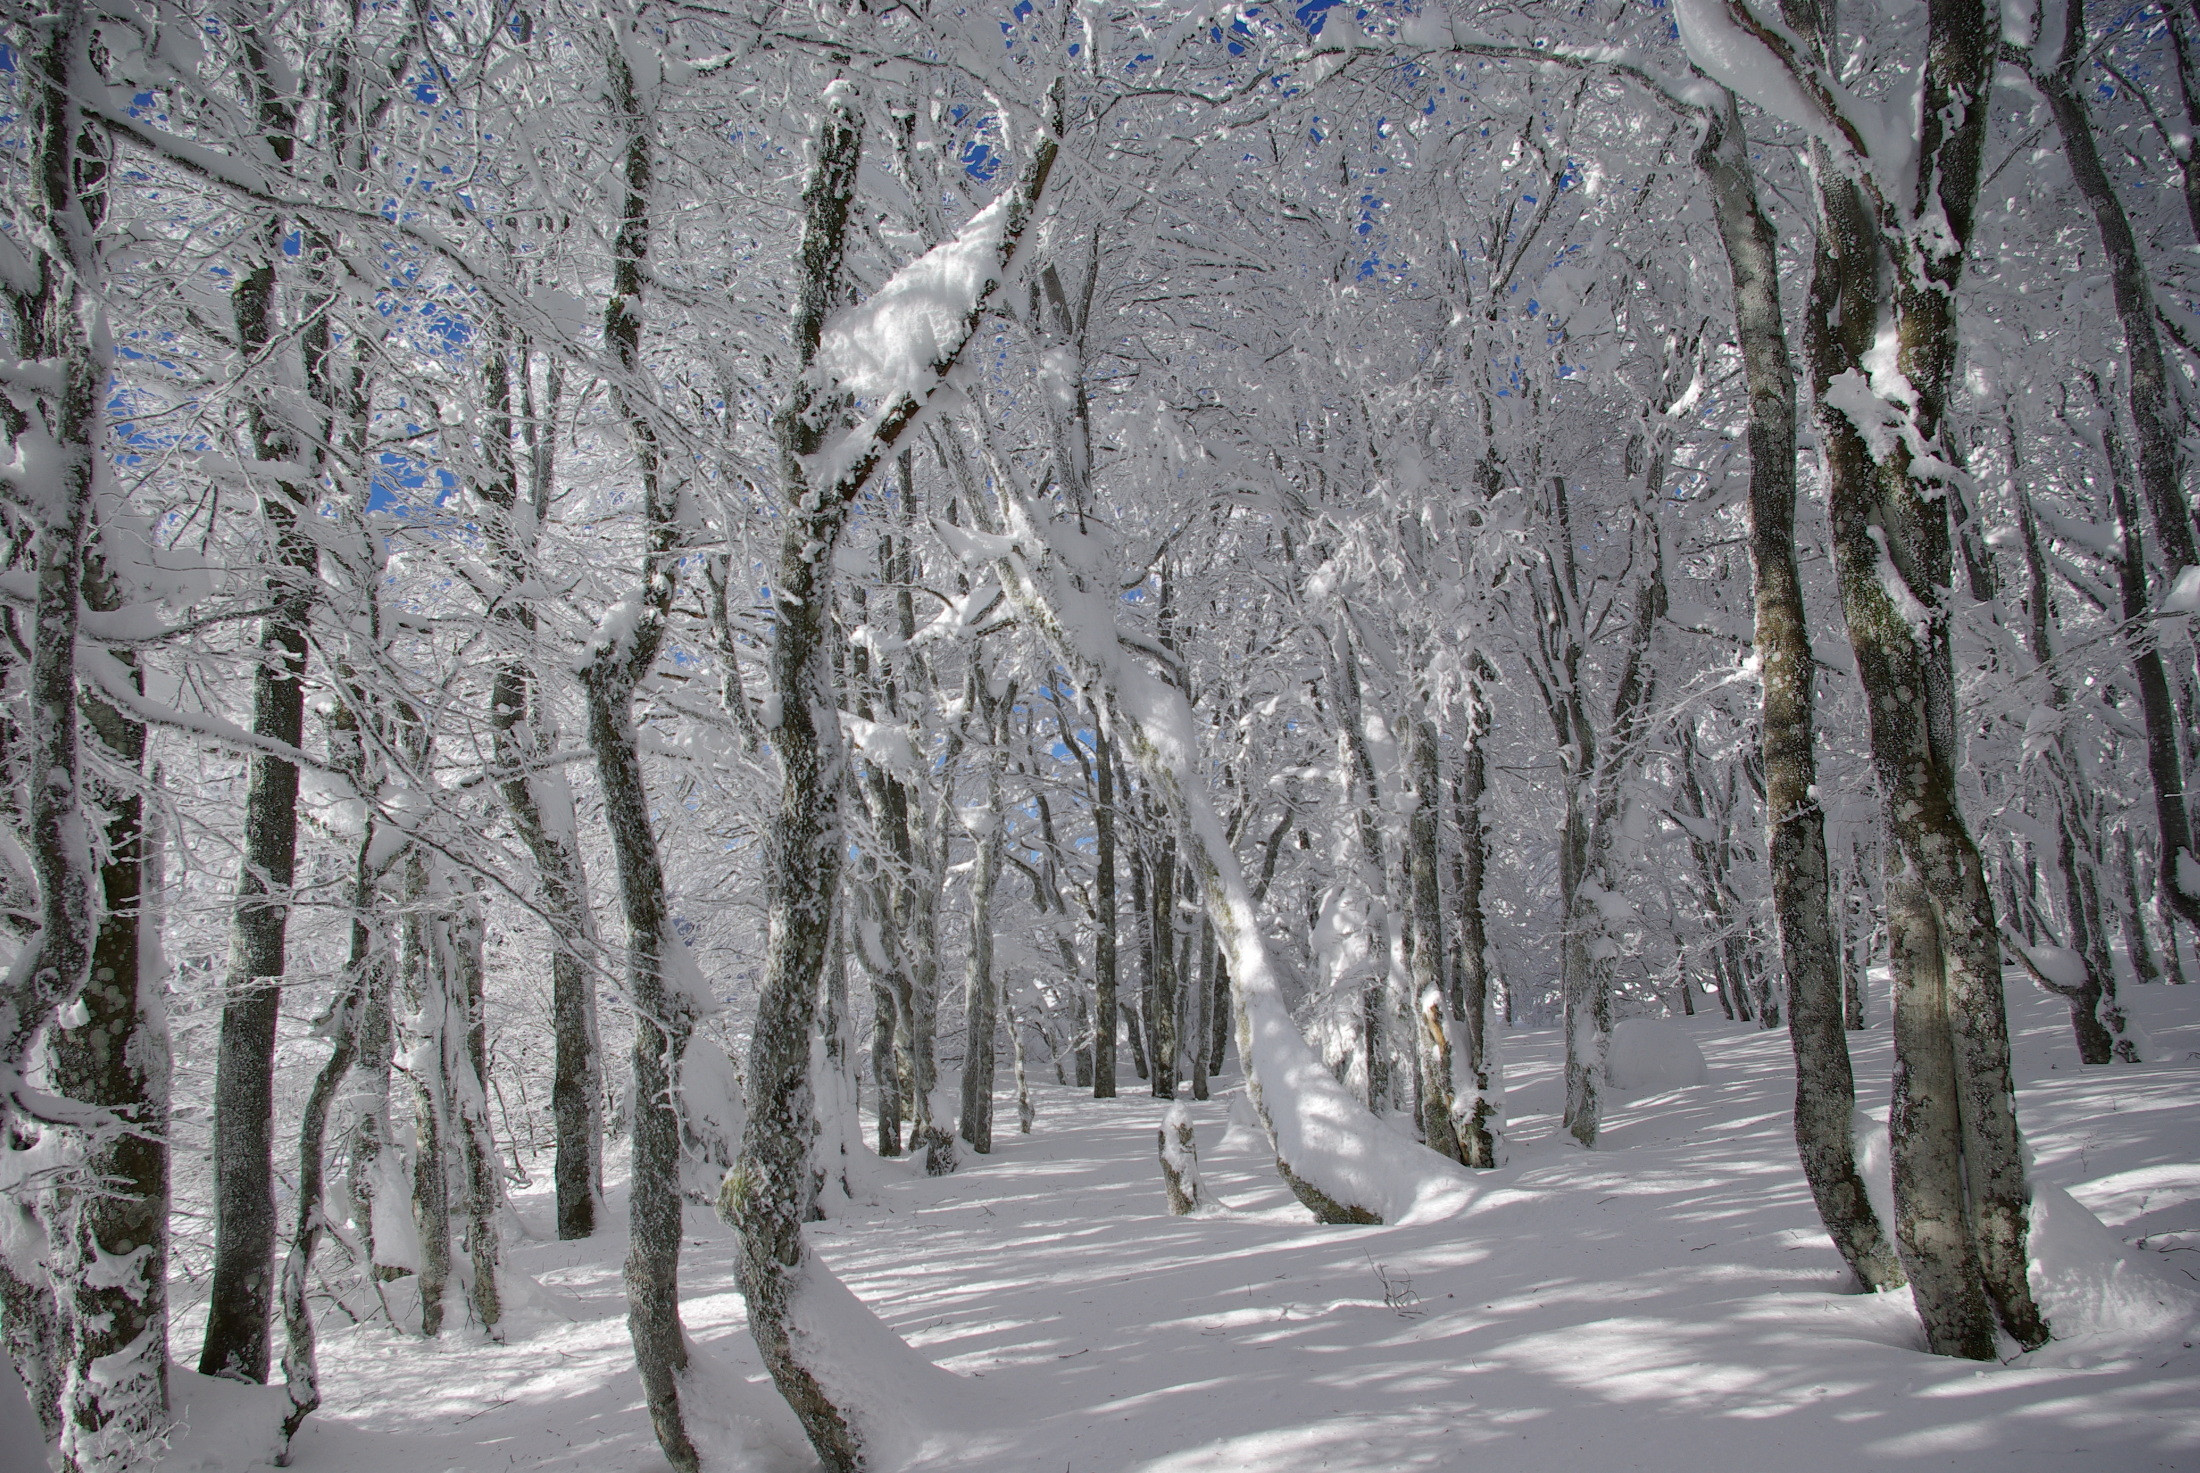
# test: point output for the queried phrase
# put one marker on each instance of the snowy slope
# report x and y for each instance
(1666, 1303)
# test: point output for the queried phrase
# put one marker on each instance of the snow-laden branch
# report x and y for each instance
(1342, 1162)
(896, 350)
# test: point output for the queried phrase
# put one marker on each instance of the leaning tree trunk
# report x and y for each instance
(301, 1362)
(1810, 946)
(1341, 1162)
(763, 1196)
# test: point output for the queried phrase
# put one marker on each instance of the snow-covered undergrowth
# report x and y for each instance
(1667, 1302)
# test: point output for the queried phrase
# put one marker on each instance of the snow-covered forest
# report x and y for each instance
(769, 734)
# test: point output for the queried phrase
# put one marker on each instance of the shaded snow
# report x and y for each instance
(1652, 1054)
(1667, 1302)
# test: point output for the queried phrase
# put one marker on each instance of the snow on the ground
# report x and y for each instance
(1665, 1302)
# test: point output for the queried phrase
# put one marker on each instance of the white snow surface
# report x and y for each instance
(1667, 1303)
(1648, 1055)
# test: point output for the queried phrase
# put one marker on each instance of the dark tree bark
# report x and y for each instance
(91, 1348)
(613, 668)
(1954, 1138)
(242, 1293)
(1162, 1053)
(1810, 946)
(420, 964)
(981, 1000)
(1441, 1027)
(1480, 1118)
(762, 1196)
(117, 1060)
(1105, 1019)
(2133, 912)
(537, 796)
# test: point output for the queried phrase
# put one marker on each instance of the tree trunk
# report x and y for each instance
(540, 802)
(301, 1361)
(615, 664)
(1891, 533)
(1143, 938)
(421, 965)
(1810, 947)
(87, 1326)
(1161, 1021)
(981, 1000)
(762, 1196)
(242, 1291)
(115, 1259)
(2133, 913)
(1441, 1029)
(1344, 1165)
(1924, 1129)
(1480, 1116)
(1104, 1019)
(466, 1076)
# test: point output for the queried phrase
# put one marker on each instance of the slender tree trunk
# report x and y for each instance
(885, 1076)
(1161, 1020)
(614, 666)
(1104, 1020)
(981, 1000)
(1441, 1028)
(1480, 1116)
(244, 1192)
(921, 952)
(2133, 913)
(540, 803)
(466, 1087)
(1143, 937)
(371, 1139)
(1810, 947)
(243, 1288)
(301, 1361)
(420, 963)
